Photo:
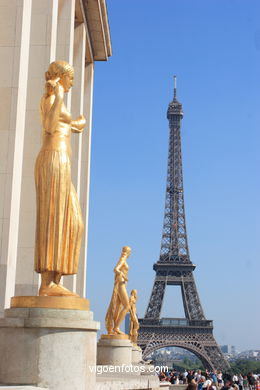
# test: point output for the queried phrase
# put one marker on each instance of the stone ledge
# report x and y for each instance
(49, 323)
(52, 313)
(49, 318)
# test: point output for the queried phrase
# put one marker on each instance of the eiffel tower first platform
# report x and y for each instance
(174, 267)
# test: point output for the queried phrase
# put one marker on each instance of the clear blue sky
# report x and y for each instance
(214, 49)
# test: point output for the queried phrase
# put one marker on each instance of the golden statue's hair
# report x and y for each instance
(57, 69)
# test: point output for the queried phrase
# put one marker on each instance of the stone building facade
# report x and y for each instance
(34, 33)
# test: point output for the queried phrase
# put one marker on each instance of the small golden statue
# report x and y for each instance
(134, 324)
(119, 304)
(59, 225)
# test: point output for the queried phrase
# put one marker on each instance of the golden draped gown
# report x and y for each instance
(59, 224)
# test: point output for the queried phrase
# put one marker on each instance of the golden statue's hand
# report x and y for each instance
(56, 87)
(78, 125)
(81, 117)
(81, 120)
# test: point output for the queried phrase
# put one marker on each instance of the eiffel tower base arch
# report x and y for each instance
(196, 339)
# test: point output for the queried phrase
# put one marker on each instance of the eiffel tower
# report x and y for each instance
(174, 267)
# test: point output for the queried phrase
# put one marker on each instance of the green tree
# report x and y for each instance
(244, 366)
(188, 364)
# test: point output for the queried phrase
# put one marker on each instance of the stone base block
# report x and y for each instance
(136, 355)
(49, 348)
(114, 352)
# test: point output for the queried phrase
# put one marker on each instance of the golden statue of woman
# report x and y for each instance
(119, 304)
(59, 225)
(134, 324)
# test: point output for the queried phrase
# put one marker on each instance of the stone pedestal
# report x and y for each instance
(51, 348)
(136, 355)
(114, 351)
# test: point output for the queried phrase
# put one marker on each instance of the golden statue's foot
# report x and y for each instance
(54, 290)
(118, 331)
(67, 292)
(50, 290)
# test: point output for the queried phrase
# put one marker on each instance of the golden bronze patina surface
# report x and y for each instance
(59, 224)
(119, 304)
(134, 324)
(65, 302)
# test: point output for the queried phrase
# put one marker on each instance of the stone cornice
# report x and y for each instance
(94, 14)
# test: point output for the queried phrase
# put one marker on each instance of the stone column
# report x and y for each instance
(82, 104)
(65, 30)
(14, 51)
(77, 107)
(65, 50)
(42, 52)
(85, 175)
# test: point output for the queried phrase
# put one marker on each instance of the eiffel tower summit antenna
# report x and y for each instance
(175, 86)
(174, 267)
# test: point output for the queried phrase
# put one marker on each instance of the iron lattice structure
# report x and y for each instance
(174, 267)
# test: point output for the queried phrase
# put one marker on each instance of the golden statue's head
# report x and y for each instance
(134, 293)
(59, 71)
(126, 250)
